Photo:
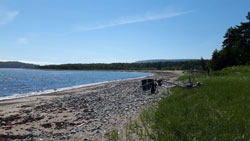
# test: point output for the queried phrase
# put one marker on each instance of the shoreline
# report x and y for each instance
(50, 91)
(83, 113)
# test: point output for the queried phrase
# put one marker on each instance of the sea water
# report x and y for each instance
(15, 83)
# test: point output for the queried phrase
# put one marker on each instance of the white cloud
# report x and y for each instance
(22, 40)
(7, 16)
(128, 20)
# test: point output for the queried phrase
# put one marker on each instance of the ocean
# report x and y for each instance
(16, 83)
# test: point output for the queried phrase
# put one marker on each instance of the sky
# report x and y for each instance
(108, 31)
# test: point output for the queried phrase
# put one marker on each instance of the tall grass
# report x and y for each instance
(219, 110)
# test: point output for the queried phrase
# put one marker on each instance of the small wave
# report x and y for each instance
(21, 95)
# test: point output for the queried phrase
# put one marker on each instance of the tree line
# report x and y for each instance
(182, 65)
(15, 64)
(235, 49)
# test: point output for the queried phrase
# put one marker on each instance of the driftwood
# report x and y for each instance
(151, 84)
(189, 83)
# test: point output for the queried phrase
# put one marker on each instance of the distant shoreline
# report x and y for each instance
(182, 64)
(146, 71)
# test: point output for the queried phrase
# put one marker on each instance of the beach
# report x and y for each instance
(85, 113)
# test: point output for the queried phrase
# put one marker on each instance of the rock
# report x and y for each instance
(86, 110)
(97, 132)
(47, 125)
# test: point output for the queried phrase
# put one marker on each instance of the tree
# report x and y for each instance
(235, 49)
(216, 60)
(248, 16)
(205, 66)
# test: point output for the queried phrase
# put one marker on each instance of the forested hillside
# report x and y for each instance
(14, 64)
(184, 65)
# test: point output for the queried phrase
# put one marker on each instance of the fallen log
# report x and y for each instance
(188, 85)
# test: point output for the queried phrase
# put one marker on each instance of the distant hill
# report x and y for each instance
(15, 64)
(177, 65)
(165, 60)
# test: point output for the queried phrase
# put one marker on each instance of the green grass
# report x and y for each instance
(140, 129)
(218, 110)
(113, 135)
(232, 70)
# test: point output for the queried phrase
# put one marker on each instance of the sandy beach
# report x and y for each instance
(85, 113)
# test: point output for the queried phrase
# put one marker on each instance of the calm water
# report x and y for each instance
(21, 82)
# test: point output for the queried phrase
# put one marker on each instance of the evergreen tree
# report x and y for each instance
(248, 16)
(205, 66)
(235, 49)
(216, 60)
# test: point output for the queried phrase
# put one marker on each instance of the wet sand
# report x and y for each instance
(85, 113)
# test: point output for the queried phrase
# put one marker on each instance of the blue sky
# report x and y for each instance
(105, 31)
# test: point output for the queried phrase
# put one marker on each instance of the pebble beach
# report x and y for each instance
(85, 113)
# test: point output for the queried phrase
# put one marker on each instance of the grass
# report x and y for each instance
(140, 129)
(218, 110)
(113, 135)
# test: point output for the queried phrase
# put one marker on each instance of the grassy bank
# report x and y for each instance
(218, 110)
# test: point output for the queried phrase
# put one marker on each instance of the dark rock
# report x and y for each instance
(11, 118)
(7, 127)
(86, 110)
(46, 125)
(4, 137)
